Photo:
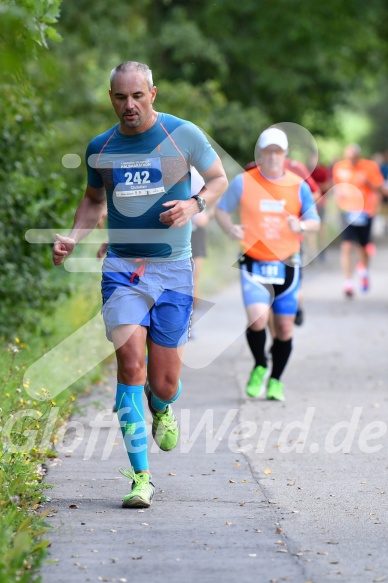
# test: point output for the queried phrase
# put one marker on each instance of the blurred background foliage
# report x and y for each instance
(232, 68)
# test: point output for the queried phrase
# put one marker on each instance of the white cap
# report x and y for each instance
(273, 137)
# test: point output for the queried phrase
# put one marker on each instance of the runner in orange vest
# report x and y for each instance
(300, 170)
(358, 185)
(275, 207)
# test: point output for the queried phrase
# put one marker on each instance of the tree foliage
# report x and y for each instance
(289, 58)
(377, 141)
(33, 194)
(268, 61)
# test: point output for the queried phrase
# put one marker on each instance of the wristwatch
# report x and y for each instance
(200, 201)
(302, 226)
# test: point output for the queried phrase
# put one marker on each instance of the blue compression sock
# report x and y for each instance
(130, 411)
(160, 405)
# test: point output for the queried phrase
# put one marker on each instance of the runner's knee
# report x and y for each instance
(165, 388)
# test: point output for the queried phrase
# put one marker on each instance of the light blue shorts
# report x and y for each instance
(161, 298)
(283, 298)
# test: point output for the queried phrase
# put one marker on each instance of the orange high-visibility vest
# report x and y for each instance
(264, 208)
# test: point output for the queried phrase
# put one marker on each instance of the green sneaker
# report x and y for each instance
(165, 427)
(142, 491)
(255, 386)
(275, 390)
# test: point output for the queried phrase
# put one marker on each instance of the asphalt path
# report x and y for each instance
(256, 490)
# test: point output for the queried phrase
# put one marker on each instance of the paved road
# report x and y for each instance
(256, 490)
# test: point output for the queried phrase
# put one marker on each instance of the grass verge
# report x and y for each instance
(28, 426)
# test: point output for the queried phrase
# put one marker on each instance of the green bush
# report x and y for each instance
(34, 197)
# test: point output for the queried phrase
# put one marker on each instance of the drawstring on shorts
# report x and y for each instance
(139, 271)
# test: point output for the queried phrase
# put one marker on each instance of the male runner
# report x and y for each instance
(141, 169)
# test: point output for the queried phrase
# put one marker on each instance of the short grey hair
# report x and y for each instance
(133, 66)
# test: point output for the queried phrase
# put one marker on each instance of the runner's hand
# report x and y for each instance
(102, 251)
(236, 232)
(294, 224)
(180, 213)
(62, 248)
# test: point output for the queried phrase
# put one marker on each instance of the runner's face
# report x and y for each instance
(272, 161)
(352, 154)
(132, 101)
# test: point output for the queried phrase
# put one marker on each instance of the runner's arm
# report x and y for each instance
(182, 211)
(215, 182)
(309, 219)
(87, 216)
(234, 232)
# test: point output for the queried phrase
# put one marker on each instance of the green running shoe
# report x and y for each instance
(165, 427)
(275, 390)
(142, 491)
(255, 386)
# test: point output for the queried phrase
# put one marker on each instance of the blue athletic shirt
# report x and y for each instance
(139, 173)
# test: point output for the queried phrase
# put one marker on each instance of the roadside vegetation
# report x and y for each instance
(29, 422)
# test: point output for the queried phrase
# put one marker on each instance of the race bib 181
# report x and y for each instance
(269, 272)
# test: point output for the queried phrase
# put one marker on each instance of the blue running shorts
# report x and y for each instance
(152, 294)
(283, 298)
